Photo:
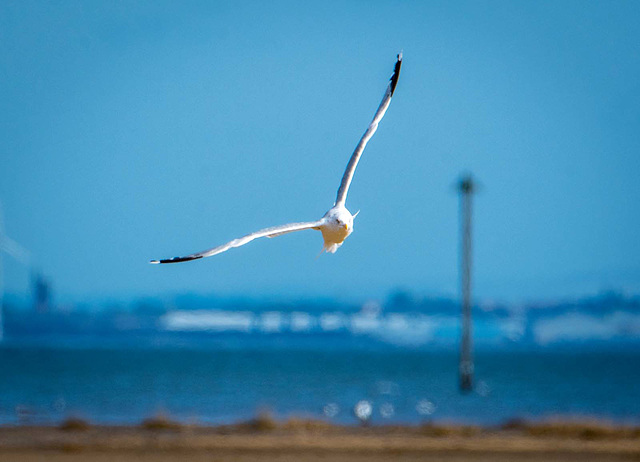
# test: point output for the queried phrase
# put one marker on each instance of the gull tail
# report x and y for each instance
(331, 248)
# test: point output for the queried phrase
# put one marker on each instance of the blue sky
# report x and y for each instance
(138, 130)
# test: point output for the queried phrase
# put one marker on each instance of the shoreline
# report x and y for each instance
(265, 439)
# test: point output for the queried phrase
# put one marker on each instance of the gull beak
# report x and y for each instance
(346, 226)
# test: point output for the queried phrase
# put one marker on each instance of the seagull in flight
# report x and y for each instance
(337, 224)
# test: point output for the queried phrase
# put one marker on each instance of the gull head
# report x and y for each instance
(336, 227)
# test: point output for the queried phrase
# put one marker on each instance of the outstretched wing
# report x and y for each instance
(267, 232)
(355, 157)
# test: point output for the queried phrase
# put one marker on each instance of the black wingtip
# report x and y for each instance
(174, 260)
(396, 74)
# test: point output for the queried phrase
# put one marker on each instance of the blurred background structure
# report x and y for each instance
(41, 292)
(9, 247)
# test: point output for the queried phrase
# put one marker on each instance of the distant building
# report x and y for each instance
(41, 293)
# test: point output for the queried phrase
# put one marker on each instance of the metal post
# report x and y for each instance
(466, 188)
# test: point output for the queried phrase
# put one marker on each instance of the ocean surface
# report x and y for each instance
(231, 381)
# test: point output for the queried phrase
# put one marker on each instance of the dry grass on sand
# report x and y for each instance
(160, 439)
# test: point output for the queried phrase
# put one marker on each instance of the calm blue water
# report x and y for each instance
(221, 385)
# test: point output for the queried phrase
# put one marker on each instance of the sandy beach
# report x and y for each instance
(316, 441)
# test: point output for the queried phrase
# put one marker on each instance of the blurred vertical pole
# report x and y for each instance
(466, 188)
